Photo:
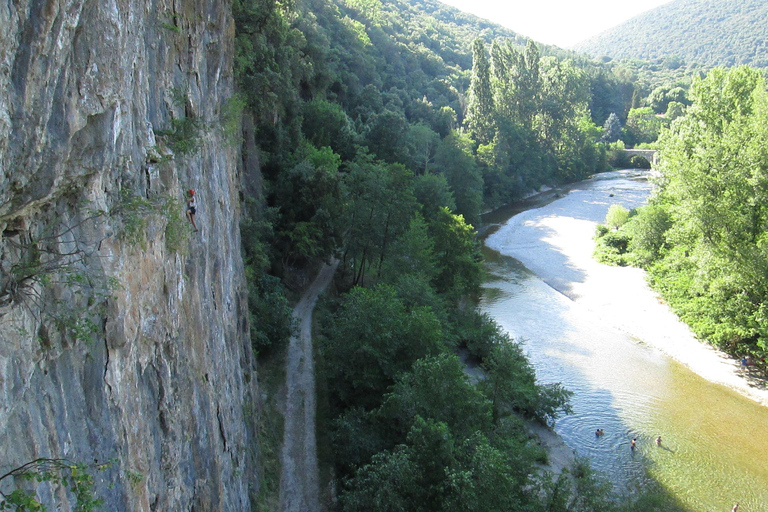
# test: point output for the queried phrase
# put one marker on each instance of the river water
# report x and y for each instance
(635, 370)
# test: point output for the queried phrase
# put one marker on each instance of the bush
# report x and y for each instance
(618, 240)
(648, 234)
(611, 248)
(480, 333)
(601, 230)
(617, 216)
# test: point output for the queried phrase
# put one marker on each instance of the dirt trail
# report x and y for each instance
(299, 488)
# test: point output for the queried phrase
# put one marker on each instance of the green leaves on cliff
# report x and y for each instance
(56, 273)
(75, 478)
(134, 214)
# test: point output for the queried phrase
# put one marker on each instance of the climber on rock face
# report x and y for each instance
(192, 208)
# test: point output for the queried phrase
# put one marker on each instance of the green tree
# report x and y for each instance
(309, 224)
(458, 256)
(529, 82)
(326, 124)
(715, 190)
(433, 193)
(436, 470)
(390, 483)
(369, 9)
(371, 340)
(648, 230)
(444, 121)
(455, 160)
(380, 206)
(480, 107)
(674, 110)
(611, 128)
(616, 217)
(642, 126)
(657, 100)
(511, 386)
(413, 253)
(421, 144)
(564, 95)
(385, 136)
(437, 388)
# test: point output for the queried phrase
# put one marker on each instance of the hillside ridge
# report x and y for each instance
(704, 32)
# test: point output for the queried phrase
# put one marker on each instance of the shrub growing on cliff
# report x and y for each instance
(135, 212)
(231, 118)
(270, 312)
(76, 478)
(60, 258)
(183, 137)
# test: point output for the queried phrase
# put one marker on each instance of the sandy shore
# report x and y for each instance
(556, 242)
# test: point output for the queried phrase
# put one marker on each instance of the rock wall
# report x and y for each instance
(123, 333)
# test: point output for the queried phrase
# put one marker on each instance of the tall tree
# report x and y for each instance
(379, 208)
(480, 108)
(455, 160)
(611, 128)
(529, 83)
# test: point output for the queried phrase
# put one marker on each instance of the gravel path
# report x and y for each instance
(299, 488)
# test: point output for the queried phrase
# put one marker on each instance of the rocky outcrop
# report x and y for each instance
(123, 333)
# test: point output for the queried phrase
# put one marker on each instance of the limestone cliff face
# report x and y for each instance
(123, 334)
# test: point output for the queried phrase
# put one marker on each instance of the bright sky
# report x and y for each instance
(558, 22)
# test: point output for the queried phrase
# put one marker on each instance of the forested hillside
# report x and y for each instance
(344, 99)
(382, 132)
(695, 32)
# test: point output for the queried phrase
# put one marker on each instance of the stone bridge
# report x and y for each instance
(648, 154)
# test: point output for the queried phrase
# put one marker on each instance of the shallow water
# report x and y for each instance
(600, 332)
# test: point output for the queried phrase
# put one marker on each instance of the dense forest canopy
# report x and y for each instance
(382, 131)
(706, 33)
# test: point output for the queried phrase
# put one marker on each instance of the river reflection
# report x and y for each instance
(714, 448)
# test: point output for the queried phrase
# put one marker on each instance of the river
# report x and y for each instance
(636, 371)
